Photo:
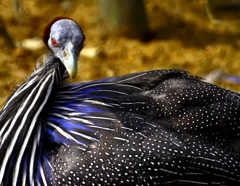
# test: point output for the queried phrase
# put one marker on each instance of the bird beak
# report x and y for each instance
(70, 62)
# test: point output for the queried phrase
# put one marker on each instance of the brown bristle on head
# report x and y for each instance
(46, 32)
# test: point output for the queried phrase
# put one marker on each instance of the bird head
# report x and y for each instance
(65, 39)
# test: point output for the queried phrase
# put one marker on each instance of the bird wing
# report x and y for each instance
(160, 126)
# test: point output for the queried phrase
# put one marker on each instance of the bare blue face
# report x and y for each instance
(66, 41)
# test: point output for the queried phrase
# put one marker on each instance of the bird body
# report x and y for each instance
(160, 127)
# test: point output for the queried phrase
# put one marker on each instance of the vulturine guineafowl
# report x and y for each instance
(160, 127)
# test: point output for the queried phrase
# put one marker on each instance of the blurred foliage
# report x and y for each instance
(183, 37)
(123, 18)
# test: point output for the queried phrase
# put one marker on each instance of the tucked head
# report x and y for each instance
(65, 39)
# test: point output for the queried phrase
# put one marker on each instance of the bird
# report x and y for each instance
(157, 127)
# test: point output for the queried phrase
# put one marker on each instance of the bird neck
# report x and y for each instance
(22, 124)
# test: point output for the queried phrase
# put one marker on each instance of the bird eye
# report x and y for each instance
(54, 43)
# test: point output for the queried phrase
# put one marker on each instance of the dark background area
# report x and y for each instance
(182, 36)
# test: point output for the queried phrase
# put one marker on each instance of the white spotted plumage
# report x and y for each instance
(149, 128)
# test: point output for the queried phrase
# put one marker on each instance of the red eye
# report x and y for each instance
(54, 43)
